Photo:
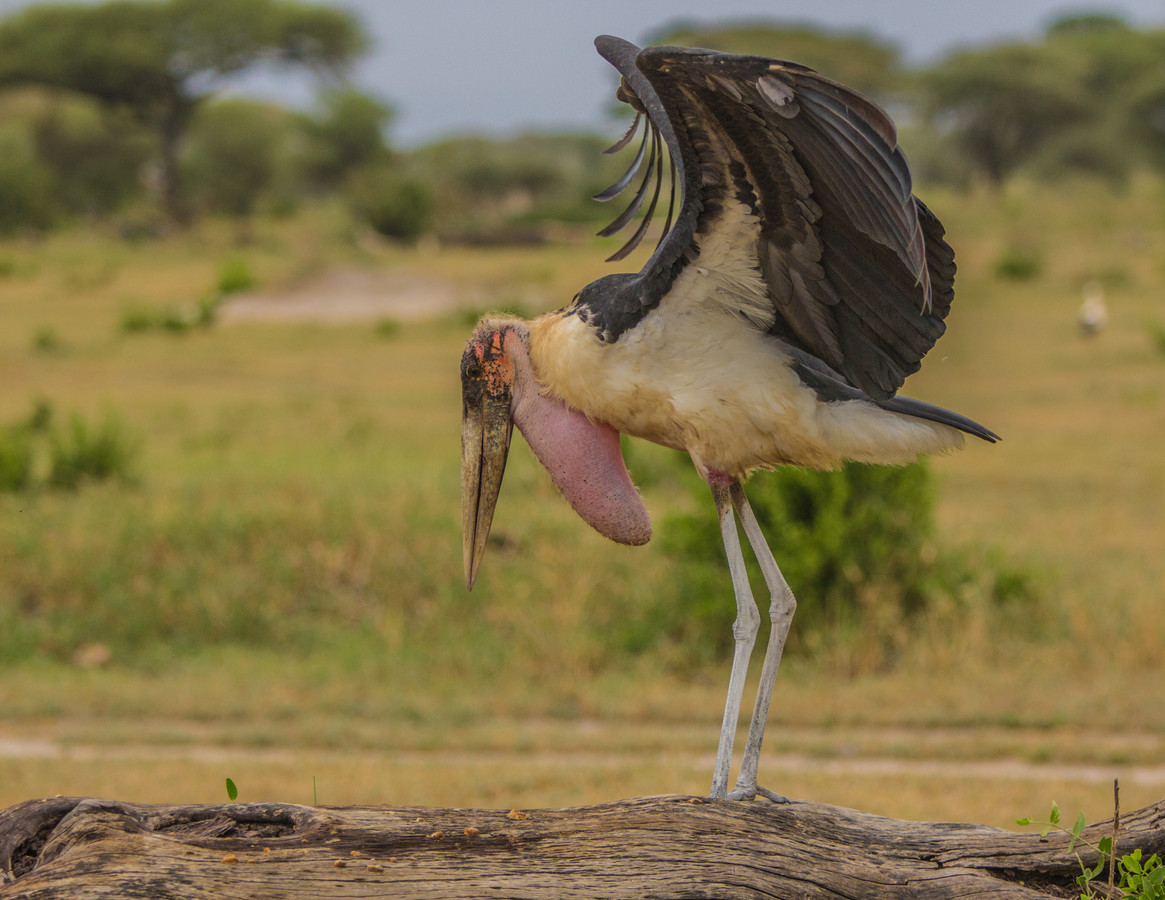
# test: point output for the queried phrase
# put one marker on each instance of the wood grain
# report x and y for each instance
(670, 846)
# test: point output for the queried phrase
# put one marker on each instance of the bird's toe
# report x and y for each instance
(772, 796)
(751, 792)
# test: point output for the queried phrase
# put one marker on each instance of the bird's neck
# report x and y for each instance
(583, 457)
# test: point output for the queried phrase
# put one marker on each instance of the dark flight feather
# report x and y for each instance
(856, 267)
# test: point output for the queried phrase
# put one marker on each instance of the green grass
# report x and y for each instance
(289, 551)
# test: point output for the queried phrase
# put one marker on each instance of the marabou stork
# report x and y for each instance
(798, 285)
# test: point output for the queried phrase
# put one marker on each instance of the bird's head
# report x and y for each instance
(499, 389)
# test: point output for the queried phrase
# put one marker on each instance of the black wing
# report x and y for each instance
(855, 266)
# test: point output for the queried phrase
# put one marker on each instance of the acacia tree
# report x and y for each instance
(161, 60)
(856, 58)
(1081, 98)
(1003, 103)
(347, 135)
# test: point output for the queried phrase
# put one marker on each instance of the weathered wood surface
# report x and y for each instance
(671, 846)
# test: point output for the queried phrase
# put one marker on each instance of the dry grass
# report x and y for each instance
(341, 445)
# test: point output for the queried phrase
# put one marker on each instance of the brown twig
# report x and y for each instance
(1116, 824)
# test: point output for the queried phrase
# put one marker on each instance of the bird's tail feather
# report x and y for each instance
(922, 410)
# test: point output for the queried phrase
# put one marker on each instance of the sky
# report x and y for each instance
(499, 67)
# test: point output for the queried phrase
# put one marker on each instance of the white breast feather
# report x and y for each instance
(698, 373)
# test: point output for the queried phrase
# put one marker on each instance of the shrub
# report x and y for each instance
(16, 459)
(40, 418)
(347, 134)
(393, 205)
(387, 328)
(855, 545)
(173, 319)
(84, 452)
(1157, 336)
(234, 274)
(235, 154)
(1019, 264)
(46, 340)
(136, 319)
(26, 184)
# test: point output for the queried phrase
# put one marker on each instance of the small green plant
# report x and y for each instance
(86, 452)
(41, 416)
(392, 204)
(1157, 335)
(1131, 876)
(206, 309)
(1019, 264)
(16, 459)
(232, 790)
(234, 275)
(173, 319)
(46, 340)
(387, 328)
(136, 319)
(1144, 879)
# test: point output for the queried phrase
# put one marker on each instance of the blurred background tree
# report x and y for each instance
(235, 153)
(345, 136)
(1002, 104)
(855, 58)
(161, 61)
(1065, 103)
(115, 106)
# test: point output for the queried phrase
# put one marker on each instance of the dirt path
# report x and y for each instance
(40, 748)
(351, 295)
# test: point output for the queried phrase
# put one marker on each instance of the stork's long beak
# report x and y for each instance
(486, 425)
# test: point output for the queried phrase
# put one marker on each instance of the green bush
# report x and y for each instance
(856, 546)
(136, 319)
(94, 153)
(387, 328)
(345, 135)
(86, 452)
(16, 459)
(236, 154)
(79, 452)
(46, 340)
(394, 205)
(40, 418)
(26, 184)
(1019, 264)
(1157, 336)
(173, 319)
(234, 275)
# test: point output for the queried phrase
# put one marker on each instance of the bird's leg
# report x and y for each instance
(782, 605)
(744, 631)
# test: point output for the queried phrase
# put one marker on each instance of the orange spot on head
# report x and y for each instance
(497, 367)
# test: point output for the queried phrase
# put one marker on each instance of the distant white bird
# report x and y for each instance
(1093, 314)
(800, 283)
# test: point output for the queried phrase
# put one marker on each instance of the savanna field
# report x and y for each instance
(270, 587)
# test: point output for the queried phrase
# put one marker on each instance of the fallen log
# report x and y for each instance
(670, 846)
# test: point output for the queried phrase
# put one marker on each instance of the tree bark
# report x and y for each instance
(672, 846)
(171, 128)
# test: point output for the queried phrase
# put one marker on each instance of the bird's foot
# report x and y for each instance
(751, 792)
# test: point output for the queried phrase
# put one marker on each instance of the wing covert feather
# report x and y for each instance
(856, 267)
